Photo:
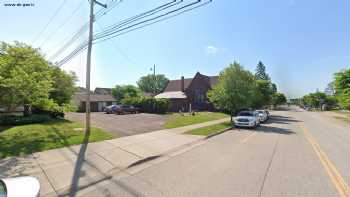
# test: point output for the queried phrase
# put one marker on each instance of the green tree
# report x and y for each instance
(63, 87)
(342, 88)
(25, 77)
(260, 73)
(236, 89)
(315, 100)
(274, 88)
(152, 84)
(121, 92)
(278, 99)
(264, 93)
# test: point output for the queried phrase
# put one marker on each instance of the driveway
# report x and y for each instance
(123, 125)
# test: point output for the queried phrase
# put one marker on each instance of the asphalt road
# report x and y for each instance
(297, 153)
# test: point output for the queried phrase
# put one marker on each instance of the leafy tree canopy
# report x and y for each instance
(236, 89)
(121, 92)
(278, 99)
(152, 84)
(26, 78)
(342, 88)
(264, 93)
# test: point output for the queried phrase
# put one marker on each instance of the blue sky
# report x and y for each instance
(302, 43)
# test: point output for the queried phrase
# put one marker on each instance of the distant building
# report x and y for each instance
(99, 99)
(189, 93)
(104, 91)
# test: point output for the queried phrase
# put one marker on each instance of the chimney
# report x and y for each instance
(182, 84)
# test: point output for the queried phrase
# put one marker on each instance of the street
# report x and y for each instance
(296, 153)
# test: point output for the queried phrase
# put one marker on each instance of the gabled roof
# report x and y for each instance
(175, 85)
(172, 95)
(103, 91)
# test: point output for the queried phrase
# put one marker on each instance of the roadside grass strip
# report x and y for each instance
(185, 119)
(210, 130)
(338, 181)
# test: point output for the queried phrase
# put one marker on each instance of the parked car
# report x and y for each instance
(126, 109)
(247, 119)
(110, 109)
(20, 186)
(262, 115)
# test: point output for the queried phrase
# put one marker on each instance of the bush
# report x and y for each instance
(23, 120)
(148, 105)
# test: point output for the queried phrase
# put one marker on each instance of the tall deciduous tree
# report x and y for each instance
(25, 76)
(260, 73)
(264, 93)
(236, 89)
(342, 88)
(121, 92)
(152, 84)
(278, 99)
(63, 86)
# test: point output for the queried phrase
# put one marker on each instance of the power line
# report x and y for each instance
(120, 31)
(120, 24)
(117, 48)
(157, 21)
(65, 21)
(50, 20)
(83, 29)
(108, 33)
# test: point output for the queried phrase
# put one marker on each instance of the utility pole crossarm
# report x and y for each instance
(100, 4)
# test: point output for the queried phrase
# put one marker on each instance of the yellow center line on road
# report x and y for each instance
(333, 173)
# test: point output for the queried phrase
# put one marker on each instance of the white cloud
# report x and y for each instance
(211, 50)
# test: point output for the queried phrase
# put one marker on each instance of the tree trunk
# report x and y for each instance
(27, 110)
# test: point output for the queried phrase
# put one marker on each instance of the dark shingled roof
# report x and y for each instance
(93, 97)
(175, 85)
(103, 91)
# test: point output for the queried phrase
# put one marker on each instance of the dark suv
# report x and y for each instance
(126, 109)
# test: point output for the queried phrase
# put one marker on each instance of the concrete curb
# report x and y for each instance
(218, 133)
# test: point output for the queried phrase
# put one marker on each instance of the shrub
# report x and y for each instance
(23, 120)
(148, 105)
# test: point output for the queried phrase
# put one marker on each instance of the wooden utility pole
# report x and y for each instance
(88, 63)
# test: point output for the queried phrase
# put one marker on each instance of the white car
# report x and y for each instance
(247, 119)
(19, 187)
(262, 115)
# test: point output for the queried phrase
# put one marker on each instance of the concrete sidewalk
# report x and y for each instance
(69, 169)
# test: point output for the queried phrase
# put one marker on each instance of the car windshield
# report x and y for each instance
(245, 114)
(2, 189)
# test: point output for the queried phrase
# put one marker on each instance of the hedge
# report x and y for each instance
(148, 105)
(23, 120)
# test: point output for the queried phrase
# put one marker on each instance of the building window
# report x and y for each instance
(198, 96)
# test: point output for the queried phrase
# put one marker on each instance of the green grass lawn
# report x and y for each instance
(178, 120)
(26, 139)
(342, 115)
(209, 130)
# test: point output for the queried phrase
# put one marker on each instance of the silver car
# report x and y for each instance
(262, 115)
(247, 119)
